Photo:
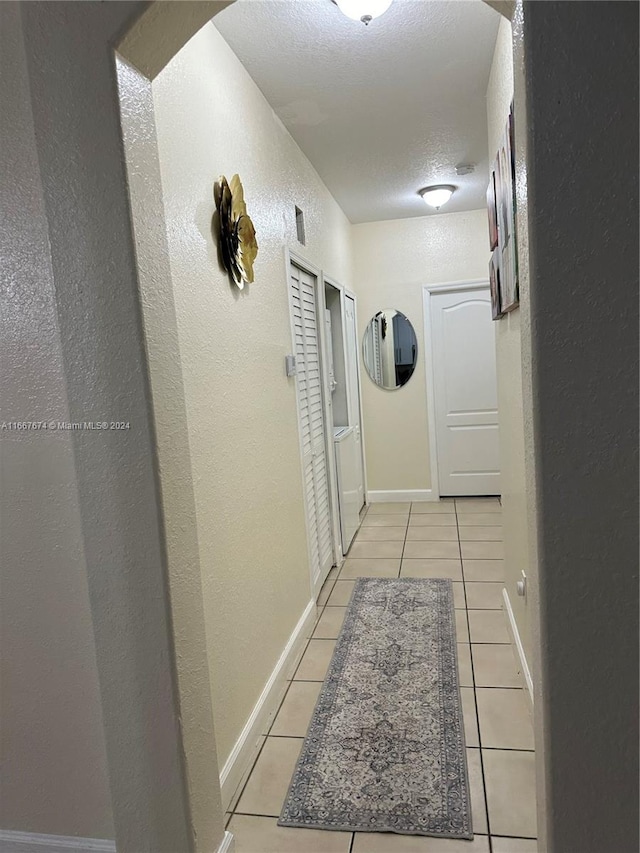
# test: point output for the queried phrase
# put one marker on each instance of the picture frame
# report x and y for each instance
(492, 211)
(508, 279)
(494, 284)
(506, 216)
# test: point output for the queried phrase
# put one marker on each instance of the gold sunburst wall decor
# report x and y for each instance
(238, 244)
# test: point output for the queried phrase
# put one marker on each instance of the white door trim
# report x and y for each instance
(516, 644)
(12, 841)
(353, 296)
(427, 291)
(33, 842)
(358, 390)
(331, 453)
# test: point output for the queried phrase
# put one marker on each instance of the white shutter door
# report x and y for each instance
(310, 408)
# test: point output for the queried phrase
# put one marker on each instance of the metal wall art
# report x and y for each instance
(238, 245)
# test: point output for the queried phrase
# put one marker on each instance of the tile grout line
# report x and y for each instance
(292, 737)
(315, 681)
(275, 716)
(507, 749)
(404, 543)
(246, 782)
(475, 695)
(321, 607)
(253, 814)
(304, 651)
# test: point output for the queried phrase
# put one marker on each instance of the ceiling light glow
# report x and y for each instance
(437, 196)
(363, 10)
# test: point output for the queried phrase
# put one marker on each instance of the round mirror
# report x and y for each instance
(390, 349)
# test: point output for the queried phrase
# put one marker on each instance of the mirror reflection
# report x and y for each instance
(390, 349)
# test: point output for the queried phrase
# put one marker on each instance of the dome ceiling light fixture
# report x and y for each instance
(363, 10)
(438, 195)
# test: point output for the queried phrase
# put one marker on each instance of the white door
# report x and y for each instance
(465, 390)
(312, 423)
(346, 448)
(353, 389)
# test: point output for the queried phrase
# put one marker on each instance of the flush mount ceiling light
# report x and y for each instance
(438, 195)
(363, 10)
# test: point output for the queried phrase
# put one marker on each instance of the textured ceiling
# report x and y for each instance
(380, 111)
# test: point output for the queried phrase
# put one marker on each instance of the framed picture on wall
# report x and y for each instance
(492, 211)
(508, 279)
(505, 207)
(505, 203)
(494, 284)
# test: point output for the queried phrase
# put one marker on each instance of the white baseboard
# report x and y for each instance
(228, 844)
(517, 644)
(240, 761)
(33, 842)
(402, 495)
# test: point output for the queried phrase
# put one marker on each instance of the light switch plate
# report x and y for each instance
(290, 365)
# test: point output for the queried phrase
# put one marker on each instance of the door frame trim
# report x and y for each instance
(352, 295)
(428, 290)
(333, 466)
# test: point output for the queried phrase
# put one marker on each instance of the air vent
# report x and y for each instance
(300, 227)
(465, 168)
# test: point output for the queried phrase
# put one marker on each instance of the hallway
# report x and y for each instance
(157, 589)
(460, 539)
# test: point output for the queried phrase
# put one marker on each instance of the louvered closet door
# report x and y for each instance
(311, 413)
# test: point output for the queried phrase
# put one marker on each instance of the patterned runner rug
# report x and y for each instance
(385, 750)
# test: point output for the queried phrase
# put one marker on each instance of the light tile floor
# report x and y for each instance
(459, 539)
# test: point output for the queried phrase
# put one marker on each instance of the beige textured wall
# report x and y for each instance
(509, 362)
(393, 260)
(241, 410)
(580, 357)
(169, 413)
(54, 773)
